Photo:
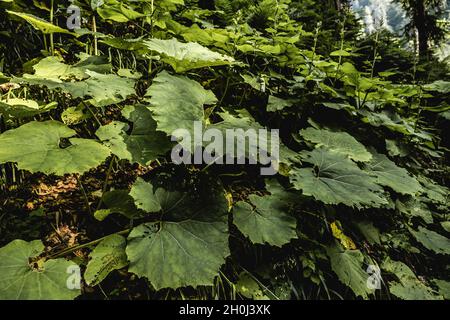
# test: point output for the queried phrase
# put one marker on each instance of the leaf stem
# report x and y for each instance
(84, 195)
(105, 183)
(52, 47)
(84, 245)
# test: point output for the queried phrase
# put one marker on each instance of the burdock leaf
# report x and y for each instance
(187, 247)
(186, 56)
(43, 280)
(265, 220)
(177, 101)
(335, 179)
(387, 173)
(339, 142)
(107, 256)
(37, 147)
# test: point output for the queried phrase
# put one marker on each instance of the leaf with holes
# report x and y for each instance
(37, 147)
(42, 280)
(107, 256)
(189, 245)
(23, 108)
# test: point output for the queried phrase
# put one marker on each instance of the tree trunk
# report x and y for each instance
(421, 25)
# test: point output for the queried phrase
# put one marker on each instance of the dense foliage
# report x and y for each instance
(85, 154)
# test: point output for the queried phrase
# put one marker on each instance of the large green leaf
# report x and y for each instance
(107, 256)
(40, 24)
(369, 231)
(277, 104)
(117, 11)
(339, 142)
(36, 146)
(394, 122)
(435, 192)
(414, 208)
(144, 196)
(265, 220)
(432, 240)
(245, 145)
(443, 287)
(102, 89)
(187, 246)
(336, 179)
(387, 173)
(42, 280)
(177, 101)
(439, 86)
(186, 56)
(348, 266)
(118, 201)
(409, 287)
(23, 108)
(143, 144)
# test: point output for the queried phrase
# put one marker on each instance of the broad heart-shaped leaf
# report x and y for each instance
(40, 24)
(143, 145)
(336, 179)
(251, 140)
(103, 89)
(348, 266)
(177, 101)
(265, 220)
(107, 256)
(21, 281)
(340, 142)
(144, 196)
(409, 287)
(432, 240)
(36, 147)
(188, 246)
(53, 68)
(388, 174)
(23, 108)
(186, 56)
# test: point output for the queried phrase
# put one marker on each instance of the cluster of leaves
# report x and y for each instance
(362, 169)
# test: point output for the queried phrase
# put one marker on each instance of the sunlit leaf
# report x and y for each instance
(36, 146)
(42, 280)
